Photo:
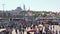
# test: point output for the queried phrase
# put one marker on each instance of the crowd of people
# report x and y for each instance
(31, 27)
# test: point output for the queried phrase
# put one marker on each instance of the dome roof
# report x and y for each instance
(18, 9)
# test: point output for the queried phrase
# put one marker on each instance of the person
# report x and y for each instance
(19, 27)
(56, 32)
(7, 31)
(46, 30)
(28, 32)
(40, 31)
(16, 31)
(43, 30)
(50, 32)
(37, 31)
(59, 31)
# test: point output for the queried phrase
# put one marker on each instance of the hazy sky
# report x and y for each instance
(40, 5)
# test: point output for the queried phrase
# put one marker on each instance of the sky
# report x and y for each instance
(37, 5)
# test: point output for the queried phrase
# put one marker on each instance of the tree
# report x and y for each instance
(44, 14)
(35, 15)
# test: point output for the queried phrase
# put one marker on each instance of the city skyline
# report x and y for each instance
(37, 5)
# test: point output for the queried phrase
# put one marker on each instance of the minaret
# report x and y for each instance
(29, 9)
(24, 6)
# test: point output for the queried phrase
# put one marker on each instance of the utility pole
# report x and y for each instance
(3, 7)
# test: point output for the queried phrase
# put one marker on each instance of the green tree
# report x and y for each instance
(44, 14)
(35, 15)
